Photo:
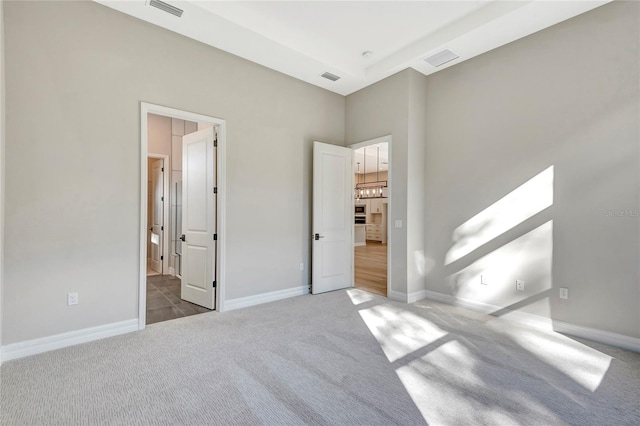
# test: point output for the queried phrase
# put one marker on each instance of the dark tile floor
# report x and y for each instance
(163, 300)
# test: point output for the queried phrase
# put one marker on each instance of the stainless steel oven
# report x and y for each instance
(360, 219)
(361, 210)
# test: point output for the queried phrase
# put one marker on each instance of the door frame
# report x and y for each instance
(166, 164)
(388, 139)
(148, 108)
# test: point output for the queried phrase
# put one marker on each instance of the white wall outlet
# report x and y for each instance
(72, 299)
(519, 285)
(301, 266)
(398, 223)
(564, 293)
(484, 280)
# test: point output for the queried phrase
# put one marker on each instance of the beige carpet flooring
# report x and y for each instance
(342, 358)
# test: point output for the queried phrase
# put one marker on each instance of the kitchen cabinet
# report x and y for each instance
(374, 232)
(359, 235)
(376, 205)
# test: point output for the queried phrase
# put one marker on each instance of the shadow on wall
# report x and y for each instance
(508, 241)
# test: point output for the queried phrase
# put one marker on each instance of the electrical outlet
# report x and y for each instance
(564, 293)
(483, 280)
(72, 299)
(302, 266)
(519, 285)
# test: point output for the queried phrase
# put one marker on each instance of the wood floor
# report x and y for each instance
(371, 267)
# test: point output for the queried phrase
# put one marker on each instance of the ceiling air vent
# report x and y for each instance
(330, 76)
(441, 58)
(166, 7)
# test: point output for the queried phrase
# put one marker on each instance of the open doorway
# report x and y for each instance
(371, 215)
(181, 159)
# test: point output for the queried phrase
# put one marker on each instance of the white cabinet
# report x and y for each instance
(376, 205)
(374, 232)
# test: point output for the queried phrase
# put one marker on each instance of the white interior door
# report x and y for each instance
(332, 218)
(199, 217)
(157, 215)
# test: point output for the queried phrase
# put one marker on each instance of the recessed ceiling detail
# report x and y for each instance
(293, 37)
(330, 76)
(166, 7)
(441, 58)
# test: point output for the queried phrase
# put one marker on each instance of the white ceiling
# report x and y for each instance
(306, 38)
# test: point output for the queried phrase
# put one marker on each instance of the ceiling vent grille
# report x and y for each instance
(330, 76)
(166, 7)
(441, 58)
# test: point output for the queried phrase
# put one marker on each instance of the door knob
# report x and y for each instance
(318, 236)
(183, 237)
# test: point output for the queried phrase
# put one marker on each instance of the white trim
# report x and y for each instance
(532, 320)
(538, 321)
(359, 244)
(166, 165)
(2, 166)
(383, 139)
(172, 272)
(397, 296)
(416, 295)
(597, 335)
(63, 340)
(244, 302)
(145, 109)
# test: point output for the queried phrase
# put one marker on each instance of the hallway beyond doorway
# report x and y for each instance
(163, 300)
(371, 267)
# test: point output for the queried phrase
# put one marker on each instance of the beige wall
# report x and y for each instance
(389, 108)
(73, 223)
(2, 157)
(463, 139)
(378, 110)
(568, 98)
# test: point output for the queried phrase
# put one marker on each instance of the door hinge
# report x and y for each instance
(214, 284)
(161, 257)
(161, 198)
(162, 228)
(162, 170)
(215, 142)
(215, 189)
(215, 237)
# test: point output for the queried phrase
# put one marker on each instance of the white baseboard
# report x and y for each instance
(606, 337)
(244, 302)
(416, 295)
(359, 244)
(398, 296)
(601, 336)
(57, 341)
(172, 272)
(532, 320)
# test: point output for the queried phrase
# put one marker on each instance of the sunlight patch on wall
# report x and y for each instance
(519, 205)
(528, 257)
(400, 332)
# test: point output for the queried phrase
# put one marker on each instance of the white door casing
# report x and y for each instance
(156, 227)
(332, 252)
(199, 217)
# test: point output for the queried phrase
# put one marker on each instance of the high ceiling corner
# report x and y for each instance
(360, 42)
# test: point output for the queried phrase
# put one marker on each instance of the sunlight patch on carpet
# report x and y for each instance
(400, 332)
